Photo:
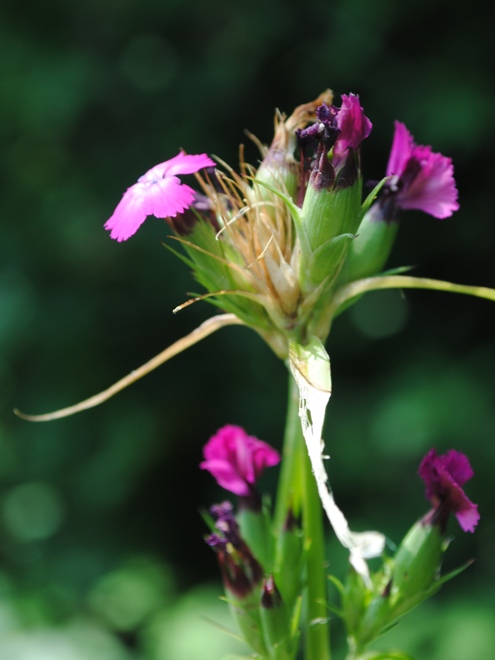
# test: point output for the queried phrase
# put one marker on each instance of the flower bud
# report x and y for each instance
(417, 178)
(413, 575)
(237, 460)
(371, 247)
(279, 168)
(332, 205)
(242, 575)
(416, 566)
(273, 613)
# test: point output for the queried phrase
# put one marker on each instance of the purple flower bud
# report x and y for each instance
(353, 125)
(341, 130)
(270, 597)
(444, 477)
(237, 460)
(241, 571)
(225, 523)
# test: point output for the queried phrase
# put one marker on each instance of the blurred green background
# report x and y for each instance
(101, 550)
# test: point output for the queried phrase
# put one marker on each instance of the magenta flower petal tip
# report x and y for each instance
(422, 179)
(353, 124)
(444, 477)
(237, 460)
(159, 192)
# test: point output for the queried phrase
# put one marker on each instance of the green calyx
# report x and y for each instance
(329, 220)
(370, 248)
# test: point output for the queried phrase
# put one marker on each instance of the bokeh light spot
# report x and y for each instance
(32, 511)
(380, 314)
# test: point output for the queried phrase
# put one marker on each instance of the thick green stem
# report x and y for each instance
(291, 483)
(318, 627)
(298, 493)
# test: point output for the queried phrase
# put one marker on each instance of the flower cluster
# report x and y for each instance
(271, 245)
(284, 249)
(276, 247)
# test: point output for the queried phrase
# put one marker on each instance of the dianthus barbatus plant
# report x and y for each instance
(284, 248)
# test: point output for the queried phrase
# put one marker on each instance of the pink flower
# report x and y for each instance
(237, 459)
(422, 179)
(159, 192)
(444, 477)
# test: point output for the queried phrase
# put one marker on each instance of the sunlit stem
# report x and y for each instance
(318, 627)
(406, 282)
(298, 492)
(291, 483)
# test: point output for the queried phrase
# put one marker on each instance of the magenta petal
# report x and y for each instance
(226, 477)
(129, 214)
(237, 460)
(158, 192)
(458, 466)
(433, 190)
(184, 164)
(422, 179)
(444, 477)
(468, 517)
(167, 197)
(264, 456)
(402, 146)
(353, 124)
(453, 497)
(427, 472)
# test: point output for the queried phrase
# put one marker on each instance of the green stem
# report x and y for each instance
(291, 483)
(318, 627)
(298, 492)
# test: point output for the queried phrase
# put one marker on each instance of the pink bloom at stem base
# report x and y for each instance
(421, 179)
(237, 459)
(159, 192)
(444, 477)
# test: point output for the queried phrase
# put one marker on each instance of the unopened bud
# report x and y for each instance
(371, 247)
(279, 637)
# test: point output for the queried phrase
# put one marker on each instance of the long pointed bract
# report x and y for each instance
(207, 328)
